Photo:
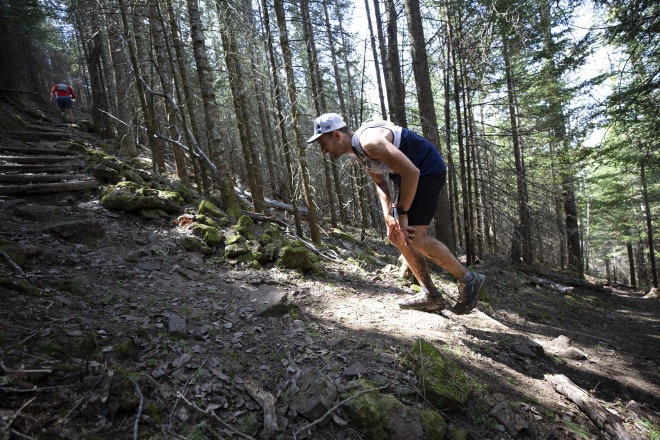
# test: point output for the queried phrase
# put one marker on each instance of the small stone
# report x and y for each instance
(522, 349)
(357, 369)
(176, 326)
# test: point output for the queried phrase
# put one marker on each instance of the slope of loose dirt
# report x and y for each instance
(77, 354)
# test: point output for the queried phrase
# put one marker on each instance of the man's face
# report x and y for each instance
(330, 144)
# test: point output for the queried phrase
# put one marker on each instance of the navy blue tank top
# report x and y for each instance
(422, 154)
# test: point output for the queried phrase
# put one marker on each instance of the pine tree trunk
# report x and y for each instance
(342, 107)
(211, 113)
(293, 105)
(649, 224)
(383, 109)
(282, 120)
(521, 246)
(238, 85)
(427, 109)
(451, 169)
(631, 263)
(398, 87)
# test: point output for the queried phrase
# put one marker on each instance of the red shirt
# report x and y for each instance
(59, 90)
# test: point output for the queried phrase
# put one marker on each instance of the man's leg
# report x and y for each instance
(470, 284)
(429, 299)
(70, 112)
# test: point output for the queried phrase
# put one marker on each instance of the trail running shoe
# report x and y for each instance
(423, 302)
(468, 294)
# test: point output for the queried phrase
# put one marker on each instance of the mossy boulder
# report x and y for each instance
(131, 176)
(196, 244)
(382, 416)
(16, 254)
(124, 350)
(269, 253)
(182, 190)
(245, 226)
(238, 249)
(153, 214)
(316, 395)
(295, 256)
(264, 239)
(233, 238)
(76, 146)
(207, 208)
(127, 196)
(19, 286)
(210, 235)
(208, 221)
(445, 383)
(338, 233)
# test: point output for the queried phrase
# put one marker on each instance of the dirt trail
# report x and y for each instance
(102, 311)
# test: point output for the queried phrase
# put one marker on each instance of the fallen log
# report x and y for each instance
(48, 188)
(563, 279)
(23, 150)
(34, 159)
(63, 168)
(598, 414)
(552, 286)
(39, 178)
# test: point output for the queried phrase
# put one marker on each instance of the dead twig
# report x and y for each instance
(11, 262)
(139, 412)
(8, 428)
(210, 413)
(183, 391)
(32, 390)
(331, 410)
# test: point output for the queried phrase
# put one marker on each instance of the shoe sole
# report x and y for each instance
(476, 298)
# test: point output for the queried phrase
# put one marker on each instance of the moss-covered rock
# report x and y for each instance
(208, 221)
(16, 254)
(445, 383)
(382, 416)
(207, 207)
(153, 214)
(19, 286)
(295, 256)
(181, 189)
(124, 350)
(77, 146)
(338, 233)
(273, 230)
(210, 235)
(235, 250)
(265, 238)
(196, 244)
(131, 176)
(268, 253)
(233, 238)
(245, 226)
(127, 196)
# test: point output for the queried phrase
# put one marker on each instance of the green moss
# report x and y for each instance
(208, 208)
(235, 239)
(445, 383)
(208, 221)
(15, 253)
(236, 250)
(295, 256)
(153, 214)
(196, 244)
(72, 286)
(131, 176)
(264, 239)
(245, 226)
(338, 233)
(87, 345)
(19, 286)
(124, 350)
(211, 236)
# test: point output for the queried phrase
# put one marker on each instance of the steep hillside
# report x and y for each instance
(124, 318)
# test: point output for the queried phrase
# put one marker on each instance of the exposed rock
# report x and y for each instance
(295, 256)
(269, 252)
(382, 416)
(210, 235)
(653, 294)
(176, 326)
(521, 348)
(39, 213)
(78, 229)
(445, 383)
(316, 395)
(208, 208)
(356, 369)
(245, 227)
(196, 244)
(127, 196)
(573, 353)
(105, 174)
(560, 343)
(513, 423)
(236, 250)
(270, 301)
(153, 214)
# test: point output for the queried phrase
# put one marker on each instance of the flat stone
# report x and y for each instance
(573, 353)
(269, 301)
(522, 349)
(39, 213)
(182, 360)
(316, 395)
(356, 369)
(561, 342)
(187, 273)
(513, 423)
(149, 265)
(176, 326)
(78, 229)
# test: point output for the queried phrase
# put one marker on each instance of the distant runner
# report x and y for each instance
(418, 171)
(65, 98)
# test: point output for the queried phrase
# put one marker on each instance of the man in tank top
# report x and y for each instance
(417, 170)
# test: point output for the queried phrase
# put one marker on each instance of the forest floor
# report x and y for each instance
(78, 354)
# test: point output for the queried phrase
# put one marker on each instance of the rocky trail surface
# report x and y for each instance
(112, 328)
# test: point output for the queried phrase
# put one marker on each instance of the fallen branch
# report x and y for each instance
(591, 407)
(334, 408)
(210, 413)
(267, 403)
(185, 386)
(564, 290)
(11, 262)
(2, 89)
(139, 412)
(32, 390)
(312, 248)
(7, 428)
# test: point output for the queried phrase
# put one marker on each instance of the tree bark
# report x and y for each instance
(427, 109)
(383, 109)
(649, 224)
(211, 112)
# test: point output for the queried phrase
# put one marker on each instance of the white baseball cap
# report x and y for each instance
(326, 123)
